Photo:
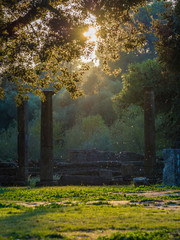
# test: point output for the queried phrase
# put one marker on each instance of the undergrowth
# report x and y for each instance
(82, 193)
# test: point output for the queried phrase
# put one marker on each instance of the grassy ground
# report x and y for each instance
(90, 212)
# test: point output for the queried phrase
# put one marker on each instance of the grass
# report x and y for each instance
(81, 219)
(82, 193)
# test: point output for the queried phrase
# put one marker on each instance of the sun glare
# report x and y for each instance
(92, 38)
(91, 34)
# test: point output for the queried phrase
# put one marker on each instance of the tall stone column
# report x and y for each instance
(46, 151)
(149, 133)
(22, 174)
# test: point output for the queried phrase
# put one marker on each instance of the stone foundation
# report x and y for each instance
(93, 167)
(88, 167)
(8, 172)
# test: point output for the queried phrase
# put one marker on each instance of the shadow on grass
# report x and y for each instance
(26, 223)
(46, 222)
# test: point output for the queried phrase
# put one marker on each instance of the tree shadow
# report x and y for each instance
(29, 224)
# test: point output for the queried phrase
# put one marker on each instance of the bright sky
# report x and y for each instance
(91, 36)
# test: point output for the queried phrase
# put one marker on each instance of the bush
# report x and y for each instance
(90, 132)
(127, 133)
(8, 143)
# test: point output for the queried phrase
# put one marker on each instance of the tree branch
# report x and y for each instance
(10, 29)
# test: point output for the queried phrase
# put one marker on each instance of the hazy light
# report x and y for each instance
(91, 38)
(91, 58)
(91, 34)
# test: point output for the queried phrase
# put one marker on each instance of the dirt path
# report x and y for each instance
(173, 204)
(168, 204)
(157, 194)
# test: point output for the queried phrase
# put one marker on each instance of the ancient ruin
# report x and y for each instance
(46, 151)
(90, 166)
(149, 134)
(22, 171)
(171, 171)
(93, 167)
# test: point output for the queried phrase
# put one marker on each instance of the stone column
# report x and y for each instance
(22, 174)
(149, 133)
(46, 151)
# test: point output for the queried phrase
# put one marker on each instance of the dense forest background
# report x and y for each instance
(109, 116)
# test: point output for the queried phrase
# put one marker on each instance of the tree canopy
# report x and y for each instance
(43, 39)
(161, 73)
(168, 32)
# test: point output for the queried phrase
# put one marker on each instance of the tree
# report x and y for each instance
(89, 132)
(166, 86)
(168, 33)
(127, 132)
(145, 17)
(33, 54)
(40, 39)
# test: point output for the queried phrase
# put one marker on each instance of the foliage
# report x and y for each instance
(166, 88)
(90, 132)
(127, 132)
(8, 143)
(139, 75)
(145, 16)
(7, 110)
(165, 235)
(98, 88)
(167, 31)
(42, 40)
(34, 138)
(85, 194)
(58, 138)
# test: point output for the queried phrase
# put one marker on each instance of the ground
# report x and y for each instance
(79, 212)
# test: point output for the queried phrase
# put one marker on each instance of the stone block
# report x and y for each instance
(127, 170)
(171, 171)
(82, 180)
(138, 181)
(105, 173)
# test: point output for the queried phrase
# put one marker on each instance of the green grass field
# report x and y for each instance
(107, 212)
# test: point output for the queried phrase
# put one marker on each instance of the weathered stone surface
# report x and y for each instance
(129, 157)
(8, 172)
(22, 173)
(105, 173)
(93, 155)
(127, 170)
(8, 165)
(140, 181)
(11, 171)
(82, 180)
(119, 180)
(171, 171)
(90, 166)
(46, 152)
(149, 133)
(7, 180)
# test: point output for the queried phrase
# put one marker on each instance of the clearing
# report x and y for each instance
(79, 212)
